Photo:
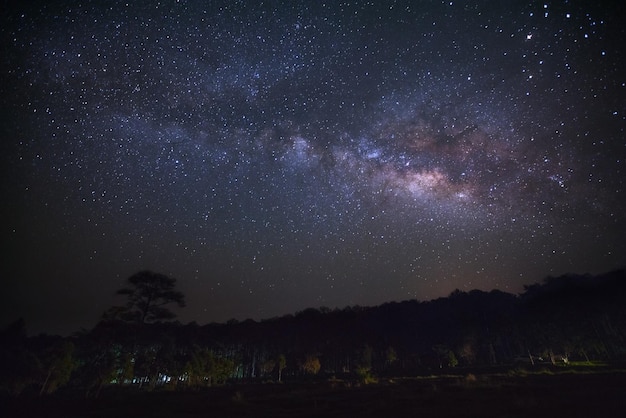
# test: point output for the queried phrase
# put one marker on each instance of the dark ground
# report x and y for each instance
(542, 395)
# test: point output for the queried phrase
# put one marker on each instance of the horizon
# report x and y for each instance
(321, 309)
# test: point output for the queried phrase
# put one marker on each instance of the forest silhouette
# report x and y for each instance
(560, 322)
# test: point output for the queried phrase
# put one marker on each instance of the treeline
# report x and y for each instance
(563, 319)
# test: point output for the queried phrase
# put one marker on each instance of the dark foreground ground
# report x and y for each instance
(542, 395)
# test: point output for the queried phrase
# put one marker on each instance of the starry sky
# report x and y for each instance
(278, 155)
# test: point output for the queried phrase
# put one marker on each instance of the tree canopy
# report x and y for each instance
(148, 294)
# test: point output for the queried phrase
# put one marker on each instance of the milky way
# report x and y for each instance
(280, 155)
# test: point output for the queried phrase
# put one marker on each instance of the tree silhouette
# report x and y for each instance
(311, 364)
(56, 359)
(282, 364)
(148, 294)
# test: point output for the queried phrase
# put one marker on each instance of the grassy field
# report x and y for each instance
(516, 394)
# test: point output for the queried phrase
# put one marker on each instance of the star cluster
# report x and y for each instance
(278, 155)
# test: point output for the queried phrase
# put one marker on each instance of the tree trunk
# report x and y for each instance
(99, 389)
(45, 383)
(585, 354)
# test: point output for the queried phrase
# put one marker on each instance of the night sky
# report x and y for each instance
(273, 156)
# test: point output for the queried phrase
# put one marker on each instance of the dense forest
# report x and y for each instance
(561, 320)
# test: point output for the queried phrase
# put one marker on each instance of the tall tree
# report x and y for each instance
(56, 357)
(148, 294)
(282, 364)
(311, 364)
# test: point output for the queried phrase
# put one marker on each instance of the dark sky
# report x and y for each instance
(274, 156)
